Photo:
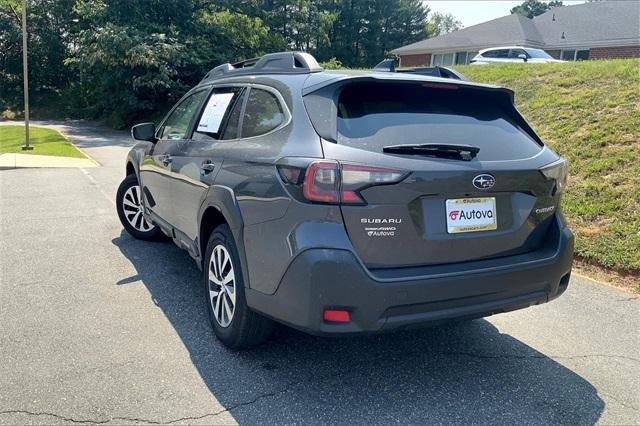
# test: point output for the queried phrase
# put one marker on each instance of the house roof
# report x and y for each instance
(510, 29)
(590, 24)
(599, 23)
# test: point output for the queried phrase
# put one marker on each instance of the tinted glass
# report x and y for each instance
(177, 124)
(374, 115)
(568, 55)
(262, 114)
(232, 128)
(582, 55)
(539, 54)
(500, 53)
(515, 52)
(226, 118)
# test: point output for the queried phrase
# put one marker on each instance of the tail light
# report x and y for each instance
(322, 182)
(355, 178)
(336, 183)
(558, 171)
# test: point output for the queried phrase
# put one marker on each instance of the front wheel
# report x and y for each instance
(233, 322)
(129, 206)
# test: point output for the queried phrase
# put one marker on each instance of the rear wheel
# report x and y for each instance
(233, 322)
(129, 206)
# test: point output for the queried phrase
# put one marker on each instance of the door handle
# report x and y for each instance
(207, 167)
(166, 159)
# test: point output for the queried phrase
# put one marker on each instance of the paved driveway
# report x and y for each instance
(97, 327)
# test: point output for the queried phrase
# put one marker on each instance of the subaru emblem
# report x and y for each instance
(484, 181)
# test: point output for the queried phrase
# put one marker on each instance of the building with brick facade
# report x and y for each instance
(598, 30)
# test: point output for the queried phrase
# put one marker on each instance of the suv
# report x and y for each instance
(501, 55)
(345, 202)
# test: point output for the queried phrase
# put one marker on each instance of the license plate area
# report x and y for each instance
(471, 215)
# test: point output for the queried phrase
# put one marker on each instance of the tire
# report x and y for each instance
(128, 204)
(243, 328)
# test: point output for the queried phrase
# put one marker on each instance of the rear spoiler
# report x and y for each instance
(389, 65)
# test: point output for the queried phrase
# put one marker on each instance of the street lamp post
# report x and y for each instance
(25, 70)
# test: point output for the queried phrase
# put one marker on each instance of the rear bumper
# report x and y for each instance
(380, 300)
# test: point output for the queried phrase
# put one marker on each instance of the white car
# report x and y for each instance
(499, 55)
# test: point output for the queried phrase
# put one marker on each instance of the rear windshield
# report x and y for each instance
(374, 115)
(540, 54)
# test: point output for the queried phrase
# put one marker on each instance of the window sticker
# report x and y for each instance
(214, 112)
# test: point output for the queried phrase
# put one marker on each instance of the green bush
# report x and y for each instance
(332, 64)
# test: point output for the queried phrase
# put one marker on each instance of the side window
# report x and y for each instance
(177, 124)
(515, 52)
(582, 55)
(262, 114)
(217, 114)
(461, 58)
(441, 59)
(499, 53)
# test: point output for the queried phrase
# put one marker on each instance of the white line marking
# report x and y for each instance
(95, 182)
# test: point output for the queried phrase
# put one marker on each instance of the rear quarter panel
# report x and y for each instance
(249, 173)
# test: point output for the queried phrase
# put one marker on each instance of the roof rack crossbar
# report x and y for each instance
(246, 63)
(272, 63)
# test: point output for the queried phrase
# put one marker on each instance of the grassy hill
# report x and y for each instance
(589, 112)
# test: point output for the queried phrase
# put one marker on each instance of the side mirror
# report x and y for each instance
(144, 132)
(523, 57)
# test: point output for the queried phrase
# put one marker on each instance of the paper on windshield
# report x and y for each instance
(214, 112)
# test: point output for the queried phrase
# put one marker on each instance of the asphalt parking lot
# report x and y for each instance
(96, 327)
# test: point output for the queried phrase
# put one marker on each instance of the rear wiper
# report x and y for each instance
(456, 152)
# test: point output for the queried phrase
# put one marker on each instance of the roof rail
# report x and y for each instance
(389, 65)
(271, 63)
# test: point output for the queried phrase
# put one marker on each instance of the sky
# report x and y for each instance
(472, 12)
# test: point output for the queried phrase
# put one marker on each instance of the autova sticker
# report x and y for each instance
(387, 228)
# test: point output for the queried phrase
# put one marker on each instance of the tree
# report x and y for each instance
(135, 59)
(122, 61)
(442, 23)
(531, 8)
(366, 30)
(52, 34)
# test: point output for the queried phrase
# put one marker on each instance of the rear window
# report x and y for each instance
(374, 115)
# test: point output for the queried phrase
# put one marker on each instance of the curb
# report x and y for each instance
(29, 161)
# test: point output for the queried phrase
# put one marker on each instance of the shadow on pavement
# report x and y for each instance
(459, 373)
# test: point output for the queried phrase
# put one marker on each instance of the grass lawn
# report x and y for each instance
(44, 141)
(588, 112)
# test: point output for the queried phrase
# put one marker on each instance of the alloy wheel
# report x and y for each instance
(132, 207)
(222, 286)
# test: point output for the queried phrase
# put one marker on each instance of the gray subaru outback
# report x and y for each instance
(345, 202)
